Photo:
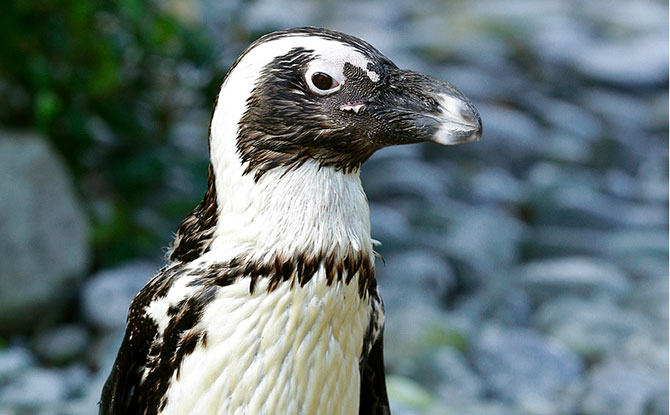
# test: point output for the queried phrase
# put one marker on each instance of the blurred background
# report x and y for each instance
(525, 274)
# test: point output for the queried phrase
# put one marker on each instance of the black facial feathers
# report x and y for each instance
(285, 124)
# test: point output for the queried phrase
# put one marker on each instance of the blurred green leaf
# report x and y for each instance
(112, 61)
(47, 106)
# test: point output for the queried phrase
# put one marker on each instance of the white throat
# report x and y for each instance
(305, 209)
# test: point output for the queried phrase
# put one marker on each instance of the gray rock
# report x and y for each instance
(418, 330)
(61, 344)
(560, 241)
(518, 363)
(479, 252)
(564, 148)
(450, 376)
(582, 206)
(640, 17)
(622, 185)
(619, 388)
(405, 177)
(499, 301)
(482, 85)
(106, 296)
(578, 276)
(368, 20)
(497, 185)
(13, 361)
(659, 404)
(512, 307)
(77, 379)
(570, 118)
(268, 15)
(643, 253)
(388, 225)
(507, 130)
(649, 350)
(414, 277)
(395, 153)
(646, 60)
(478, 407)
(560, 35)
(35, 388)
(651, 298)
(546, 178)
(653, 176)
(592, 328)
(103, 350)
(408, 397)
(620, 110)
(38, 213)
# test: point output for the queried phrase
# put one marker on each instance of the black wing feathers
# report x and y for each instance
(120, 393)
(374, 400)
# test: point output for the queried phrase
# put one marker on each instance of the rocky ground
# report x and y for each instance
(524, 274)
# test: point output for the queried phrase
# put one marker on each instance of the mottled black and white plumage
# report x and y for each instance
(268, 303)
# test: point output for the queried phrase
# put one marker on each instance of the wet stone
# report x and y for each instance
(644, 65)
(419, 329)
(468, 239)
(574, 276)
(518, 362)
(39, 212)
(559, 241)
(592, 328)
(62, 344)
(35, 388)
(650, 297)
(581, 206)
(388, 225)
(13, 361)
(619, 388)
(407, 178)
(106, 296)
(414, 277)
(643, 253)
(452, 377)
(498, 186)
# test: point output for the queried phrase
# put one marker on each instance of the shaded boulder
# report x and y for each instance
(106, 295)
(574, 276)
(43, 249)
(619, 387)
(518, 365)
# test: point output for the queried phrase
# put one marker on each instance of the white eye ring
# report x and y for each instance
(321, 83)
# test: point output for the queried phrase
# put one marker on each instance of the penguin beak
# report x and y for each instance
(418, 107)
(458, 120)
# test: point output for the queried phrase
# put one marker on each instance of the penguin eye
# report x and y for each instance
(322, 83)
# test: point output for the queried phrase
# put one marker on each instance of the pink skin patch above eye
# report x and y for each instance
(355, 107)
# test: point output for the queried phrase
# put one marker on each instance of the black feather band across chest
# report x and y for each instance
(149, 357)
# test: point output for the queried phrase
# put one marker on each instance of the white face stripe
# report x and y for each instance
(332, 61)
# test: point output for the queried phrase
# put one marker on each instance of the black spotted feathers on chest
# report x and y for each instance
(149, 357)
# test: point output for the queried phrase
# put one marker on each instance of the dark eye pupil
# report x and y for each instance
(322, 81)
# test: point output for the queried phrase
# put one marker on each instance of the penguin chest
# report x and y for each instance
(292, 350)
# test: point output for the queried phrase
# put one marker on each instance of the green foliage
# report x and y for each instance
(98, 78)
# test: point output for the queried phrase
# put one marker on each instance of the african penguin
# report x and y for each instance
(268, 303)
